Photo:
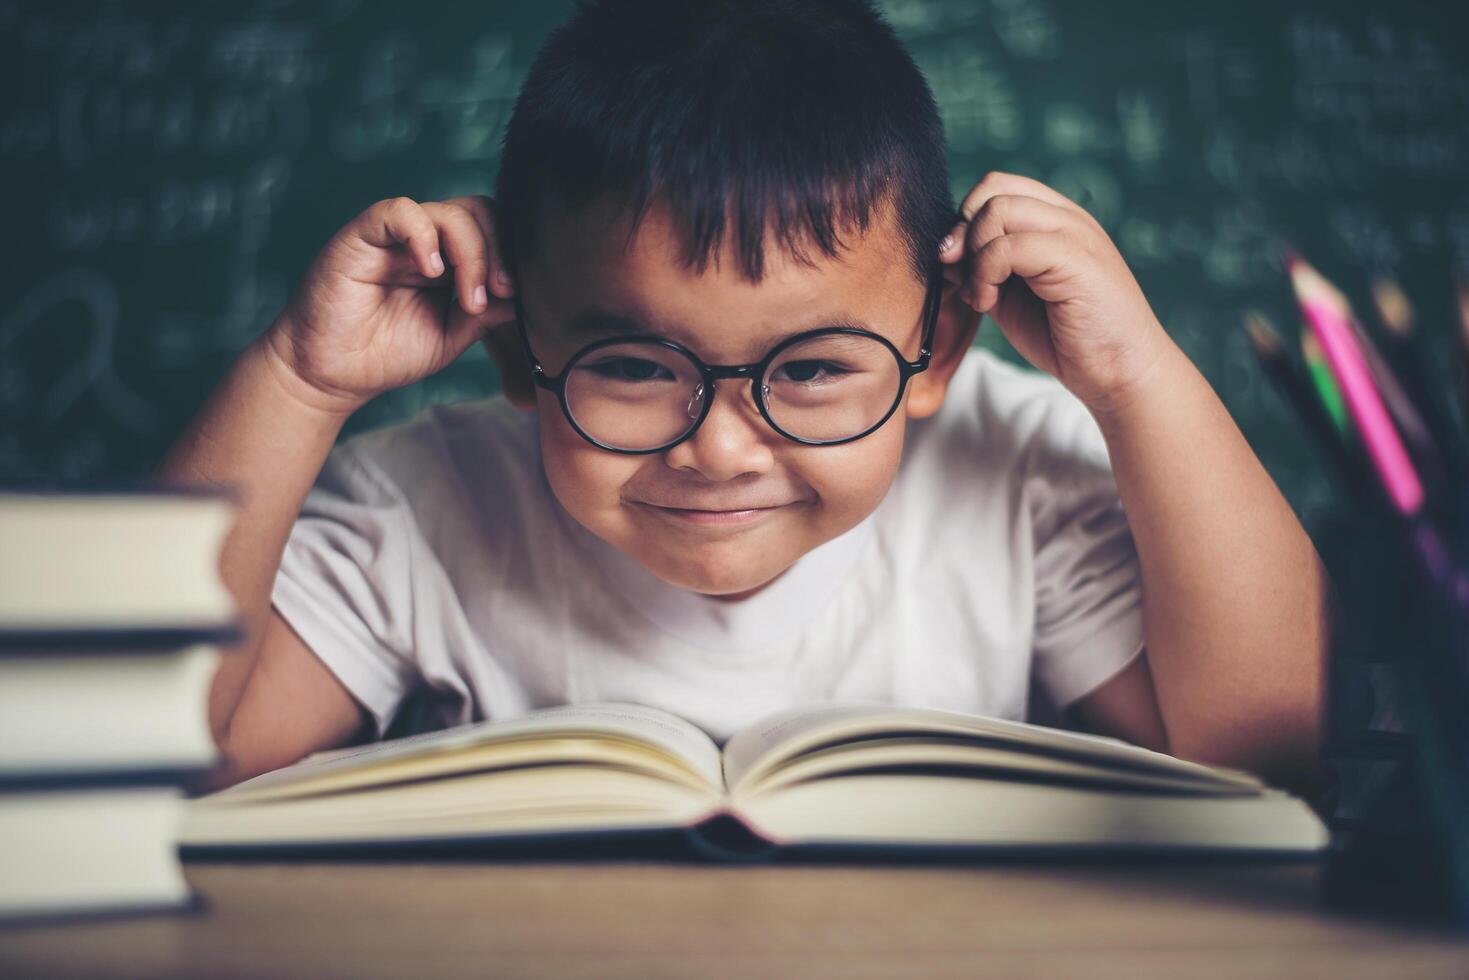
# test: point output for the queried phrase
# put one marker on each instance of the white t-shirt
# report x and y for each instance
(433, 556)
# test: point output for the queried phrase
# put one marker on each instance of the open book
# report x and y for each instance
(820, 777)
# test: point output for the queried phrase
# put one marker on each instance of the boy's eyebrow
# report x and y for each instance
(595, 324)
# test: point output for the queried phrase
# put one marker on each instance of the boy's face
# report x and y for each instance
(734, 505)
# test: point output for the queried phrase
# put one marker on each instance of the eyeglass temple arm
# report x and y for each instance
(931, 303)
(537, 373)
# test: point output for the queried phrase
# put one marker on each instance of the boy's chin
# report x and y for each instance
(728, 584)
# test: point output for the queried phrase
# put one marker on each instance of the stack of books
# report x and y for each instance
(112, 618)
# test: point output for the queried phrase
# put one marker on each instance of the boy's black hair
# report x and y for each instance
(797, 115)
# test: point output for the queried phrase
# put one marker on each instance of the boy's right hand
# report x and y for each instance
(395, 296)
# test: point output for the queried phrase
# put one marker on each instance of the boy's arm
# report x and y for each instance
(372, 313)
(1233, 590)
(1126, 706)
(260, 434)
(291, 706)
(1235, 594)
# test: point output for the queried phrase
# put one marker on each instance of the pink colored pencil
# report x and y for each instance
(1329, 319)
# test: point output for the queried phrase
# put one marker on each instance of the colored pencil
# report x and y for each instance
(1293, 386)
(1393, 306)
(1409, 422)
(1395, 397)
(1329, 318)
(1325, 384)
(1461, 292)
(1405, 356)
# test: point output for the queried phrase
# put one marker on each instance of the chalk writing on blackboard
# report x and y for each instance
(180, 166)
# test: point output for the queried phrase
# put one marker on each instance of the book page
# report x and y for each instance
(650, 726)
(547, 799)
(941, 755)
(768, 744)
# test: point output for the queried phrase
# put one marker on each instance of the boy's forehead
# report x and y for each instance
(869, 283)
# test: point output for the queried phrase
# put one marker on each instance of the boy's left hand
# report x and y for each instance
(1046, 272)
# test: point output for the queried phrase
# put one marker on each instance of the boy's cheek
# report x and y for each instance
(852, 479)
(587, 481)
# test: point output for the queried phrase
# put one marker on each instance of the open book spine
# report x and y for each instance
(726, 836)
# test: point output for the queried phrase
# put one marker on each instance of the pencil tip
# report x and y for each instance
(1312, 287)
(1393, 307)
(1261, 332)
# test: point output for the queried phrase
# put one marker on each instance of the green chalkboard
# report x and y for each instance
(170, 169)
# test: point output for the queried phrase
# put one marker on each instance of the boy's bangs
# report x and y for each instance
(749, 211)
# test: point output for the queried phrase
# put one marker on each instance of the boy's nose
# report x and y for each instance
(733, 439)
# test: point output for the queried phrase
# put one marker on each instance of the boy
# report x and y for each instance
(744, 456)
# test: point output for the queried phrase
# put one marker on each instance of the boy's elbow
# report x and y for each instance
(231, 765)
(1279, 740)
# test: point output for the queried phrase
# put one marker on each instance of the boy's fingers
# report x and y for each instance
(464, 248)
(1001, 215)
(1002, 183)
(482, 208)
(951, 249)
(996, 184)
(1031, 255)
(1006, 213)
(403, 221)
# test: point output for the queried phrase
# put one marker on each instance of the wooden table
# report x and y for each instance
(454, 918)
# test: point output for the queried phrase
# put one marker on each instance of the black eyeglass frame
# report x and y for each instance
(710, 373)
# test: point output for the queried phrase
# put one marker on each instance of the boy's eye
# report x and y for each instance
(807, 372)
(629, 369)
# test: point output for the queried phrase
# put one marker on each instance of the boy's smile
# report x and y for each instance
(733, 506)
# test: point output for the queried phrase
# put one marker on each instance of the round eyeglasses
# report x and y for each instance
(643, 394)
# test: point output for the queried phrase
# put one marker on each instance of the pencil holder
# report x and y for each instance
(1397, 707)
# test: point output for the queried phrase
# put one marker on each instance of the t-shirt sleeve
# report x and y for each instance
(1088, 587)
(345, 583)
